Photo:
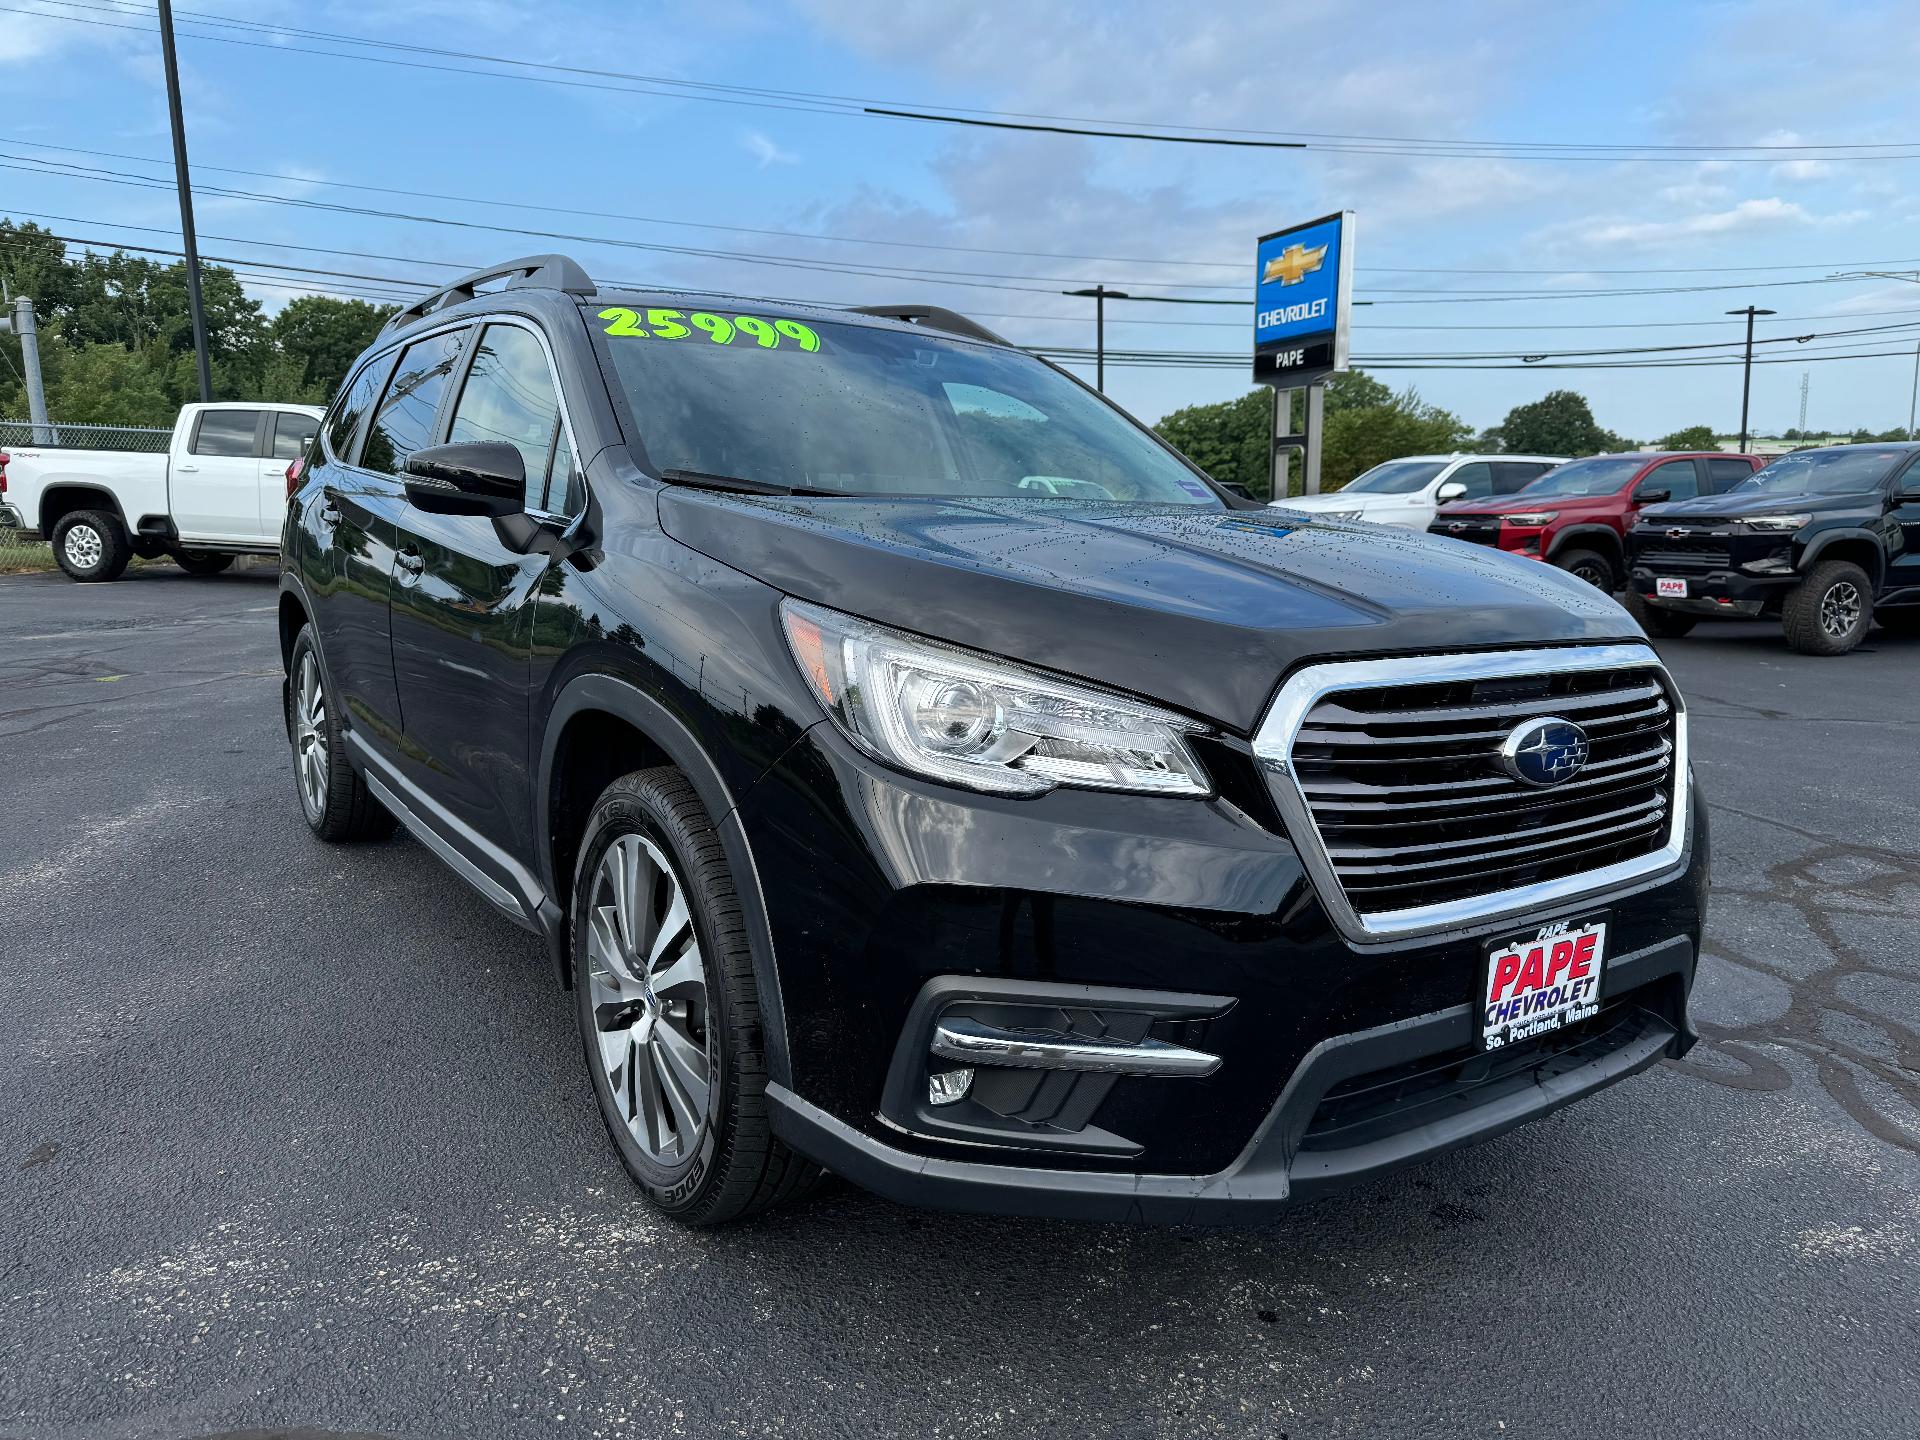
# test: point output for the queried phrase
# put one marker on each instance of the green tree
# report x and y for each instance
(1693, 437)
(1360, 438)
(325, 336)
(1559, 423)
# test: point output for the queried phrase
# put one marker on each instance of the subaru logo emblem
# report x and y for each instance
(1547, 751)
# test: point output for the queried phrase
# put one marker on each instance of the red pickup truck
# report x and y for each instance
(1577, 515)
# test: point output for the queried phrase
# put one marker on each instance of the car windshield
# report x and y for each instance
(871, 410)
(1396, 477)
(1823, 472)
(1602, 475)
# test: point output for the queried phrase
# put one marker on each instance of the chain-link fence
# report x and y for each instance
(17, 553)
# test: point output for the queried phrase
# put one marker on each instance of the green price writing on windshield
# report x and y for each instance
(720, 329)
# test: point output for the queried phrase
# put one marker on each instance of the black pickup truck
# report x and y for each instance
(1827, 539)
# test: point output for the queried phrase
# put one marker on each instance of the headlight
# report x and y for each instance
(1776, 522)
(1531, 517)
(972, 720)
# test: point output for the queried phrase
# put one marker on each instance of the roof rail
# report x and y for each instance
(934, 318)
(543, 272)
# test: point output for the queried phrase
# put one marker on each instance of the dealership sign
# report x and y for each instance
(1302, 284)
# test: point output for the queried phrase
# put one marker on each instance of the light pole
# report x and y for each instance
(1101, 294)
(194, 308)
(1746, 374)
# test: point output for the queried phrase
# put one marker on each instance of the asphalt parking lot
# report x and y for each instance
(297, 1136)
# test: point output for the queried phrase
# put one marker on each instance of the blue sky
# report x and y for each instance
(1010, 208)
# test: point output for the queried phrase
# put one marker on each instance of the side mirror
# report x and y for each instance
(1652, 497)
(480, 477)
(1451, 490)
(1909, 493)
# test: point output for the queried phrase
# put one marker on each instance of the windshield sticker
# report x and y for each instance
(660, 324)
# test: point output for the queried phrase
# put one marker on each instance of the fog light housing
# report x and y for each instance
(947, 1087)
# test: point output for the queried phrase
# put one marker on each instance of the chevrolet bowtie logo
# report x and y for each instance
(1294, 264)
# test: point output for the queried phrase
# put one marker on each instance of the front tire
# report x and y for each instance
(91, 546)
(335, 800)
(201, 562)
(1830, 611)
(669, 1014)
(1590, 566)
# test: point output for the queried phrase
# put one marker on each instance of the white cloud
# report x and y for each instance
(765, 150)
(1745, 218)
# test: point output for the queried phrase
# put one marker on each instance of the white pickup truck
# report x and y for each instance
(218, 491)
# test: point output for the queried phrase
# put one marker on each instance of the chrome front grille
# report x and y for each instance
(1389, 771)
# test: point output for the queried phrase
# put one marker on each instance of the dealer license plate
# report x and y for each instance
(1543, 981)
(1672, 589)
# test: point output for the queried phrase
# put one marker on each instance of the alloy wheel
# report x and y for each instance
(1840, 609)
(648, 990)
(1594, 576)
(310, 735)
(83, 546)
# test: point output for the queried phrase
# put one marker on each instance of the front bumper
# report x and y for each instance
(1192, 922)
(1728, 571)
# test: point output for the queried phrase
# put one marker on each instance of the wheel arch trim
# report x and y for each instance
(629, 703)
(1584, 537)
(1867, 541)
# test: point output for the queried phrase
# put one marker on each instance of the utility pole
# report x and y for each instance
(1913, 401)
(194, 307)
(23, 325)
(1100, 295)
(1746, 380)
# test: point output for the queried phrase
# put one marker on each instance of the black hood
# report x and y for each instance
(1201, 609)
(1733, 505)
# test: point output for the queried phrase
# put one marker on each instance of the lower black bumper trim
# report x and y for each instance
(1273, 1171)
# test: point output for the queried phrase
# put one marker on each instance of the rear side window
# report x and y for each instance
(510, 396)
(1509, 476)
(1723, 475)
(292, 433)
(404, 421)
(225, 432)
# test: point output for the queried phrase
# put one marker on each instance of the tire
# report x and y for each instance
(1590, 566)
(1900, 622)
(1659, 624)
(702, 1159)
(336, 802)
(201, 562)
(1830, 611)
(91, 546)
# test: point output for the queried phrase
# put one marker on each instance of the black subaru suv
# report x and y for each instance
(918, 770)
(1826, 539)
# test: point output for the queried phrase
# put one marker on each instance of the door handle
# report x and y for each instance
(187, 469)
(410, 561)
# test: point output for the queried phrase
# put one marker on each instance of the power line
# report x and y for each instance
(814, 236)
(820, 103)
(983, 280)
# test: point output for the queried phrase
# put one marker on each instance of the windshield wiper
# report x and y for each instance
(707, 480)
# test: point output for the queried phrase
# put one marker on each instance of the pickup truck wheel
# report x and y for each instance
(1659, 624)
(669, 1014)
(1590, 566)
(1830, 611)
(336, 801)
(91, 545)
(201, 562)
